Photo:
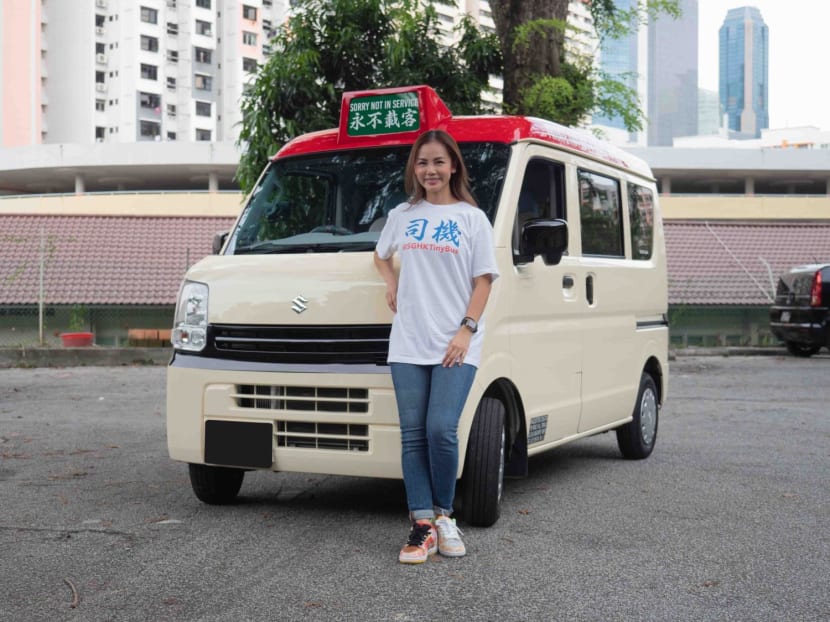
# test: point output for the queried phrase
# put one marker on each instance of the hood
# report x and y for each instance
(338, 288)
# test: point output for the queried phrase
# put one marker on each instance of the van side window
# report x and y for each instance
(600, 209)
(542, 195)
(641, 214)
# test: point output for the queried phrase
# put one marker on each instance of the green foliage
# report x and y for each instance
(613, 22)
(331, 46)
(78, 318)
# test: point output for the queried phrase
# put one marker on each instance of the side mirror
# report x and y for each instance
(545, 237)
(219, 241)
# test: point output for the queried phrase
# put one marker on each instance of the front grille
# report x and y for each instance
(315, 399)
(358, 344)
(312, 435)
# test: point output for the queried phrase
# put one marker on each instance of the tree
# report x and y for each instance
(331, 46)
(540, 79)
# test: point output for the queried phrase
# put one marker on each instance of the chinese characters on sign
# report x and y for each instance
(383, 114)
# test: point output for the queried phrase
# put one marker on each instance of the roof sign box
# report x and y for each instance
(367, 115)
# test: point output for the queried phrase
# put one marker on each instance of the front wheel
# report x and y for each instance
(636, 439)
(802, 349)
(483, 480)
(215, 485)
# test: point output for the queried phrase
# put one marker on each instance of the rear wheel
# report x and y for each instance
(215, 485)
(482, 484)
(801, 349)
(636, 439)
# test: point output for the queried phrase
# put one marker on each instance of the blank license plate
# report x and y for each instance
(785, 316)
(238, 443)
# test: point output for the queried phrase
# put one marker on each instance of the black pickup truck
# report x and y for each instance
(800, 316)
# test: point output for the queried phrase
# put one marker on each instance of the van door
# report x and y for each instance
(545, 334)
(610, 288)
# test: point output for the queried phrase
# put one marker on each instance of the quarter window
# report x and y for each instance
(600, 209)
(641, 214)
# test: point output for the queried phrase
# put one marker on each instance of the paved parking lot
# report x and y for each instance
(726, 521)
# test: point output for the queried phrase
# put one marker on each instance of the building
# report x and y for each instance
(672, 76)
(744, 71)
(127, 71)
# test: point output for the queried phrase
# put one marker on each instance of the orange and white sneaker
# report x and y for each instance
(422, 542)
(449, 537)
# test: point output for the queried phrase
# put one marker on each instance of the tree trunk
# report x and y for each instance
(542, 53)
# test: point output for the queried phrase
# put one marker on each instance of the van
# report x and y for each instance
(280, 338)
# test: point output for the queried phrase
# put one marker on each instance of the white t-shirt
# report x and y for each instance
(442, 248)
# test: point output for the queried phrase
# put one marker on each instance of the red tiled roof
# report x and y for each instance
(100, 260)
(725, 263)
(127, 260)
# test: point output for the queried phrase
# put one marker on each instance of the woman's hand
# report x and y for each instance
(457, 350)
(392, 297)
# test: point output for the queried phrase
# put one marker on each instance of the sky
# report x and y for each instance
(799, 52)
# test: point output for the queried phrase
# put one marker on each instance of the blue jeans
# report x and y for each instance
(430, 400)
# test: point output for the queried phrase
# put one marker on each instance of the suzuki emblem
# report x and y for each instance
(299, 304)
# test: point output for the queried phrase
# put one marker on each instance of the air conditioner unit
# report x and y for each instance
(101, 58)
(99, 30)
(101, 86)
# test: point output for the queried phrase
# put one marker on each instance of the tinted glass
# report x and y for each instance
(600, 208)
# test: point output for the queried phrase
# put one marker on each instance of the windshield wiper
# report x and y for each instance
(274, 247)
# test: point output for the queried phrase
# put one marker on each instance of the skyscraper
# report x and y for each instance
(744, 71)
(672, 76)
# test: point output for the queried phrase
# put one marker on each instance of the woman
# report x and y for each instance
(448, 264)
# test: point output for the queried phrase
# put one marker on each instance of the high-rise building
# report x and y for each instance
(128, 70)
(672, 76)
(744, 71)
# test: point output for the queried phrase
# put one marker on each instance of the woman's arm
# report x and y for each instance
(460, 343)
(387, 273)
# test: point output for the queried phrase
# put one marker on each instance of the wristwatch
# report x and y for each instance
(470, 323)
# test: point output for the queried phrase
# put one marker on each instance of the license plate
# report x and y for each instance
(238, 443)
(785, 316)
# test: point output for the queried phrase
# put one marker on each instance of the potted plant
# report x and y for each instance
(77, 337)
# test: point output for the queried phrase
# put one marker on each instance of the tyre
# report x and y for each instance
(636, 439)
(801, 349)
(483, 479)
(215, 485)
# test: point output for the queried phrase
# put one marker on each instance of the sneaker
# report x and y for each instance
(422, 542)
(449, 537)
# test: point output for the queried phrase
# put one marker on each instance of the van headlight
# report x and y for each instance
(191, 318)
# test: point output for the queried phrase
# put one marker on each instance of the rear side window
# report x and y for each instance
(641, 214)
(600, 211)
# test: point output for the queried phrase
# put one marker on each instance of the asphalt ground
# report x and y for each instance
(727, 520)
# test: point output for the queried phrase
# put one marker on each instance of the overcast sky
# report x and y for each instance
(799, 56)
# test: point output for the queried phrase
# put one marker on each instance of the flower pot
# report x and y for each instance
(76, 340)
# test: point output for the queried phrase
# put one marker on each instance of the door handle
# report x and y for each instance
(567, 281)
(589, 289)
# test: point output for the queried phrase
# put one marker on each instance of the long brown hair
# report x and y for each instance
(459, 181)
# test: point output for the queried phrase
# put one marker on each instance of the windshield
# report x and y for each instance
(338, 201)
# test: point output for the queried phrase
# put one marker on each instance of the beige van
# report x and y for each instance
(280, 338)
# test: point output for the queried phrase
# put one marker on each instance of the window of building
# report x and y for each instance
(149, 44)
(641, 214)
(248, 38)
(249, 65)
(100, 77)
(600, 208)
(100, 20)
(100, 48)
(171, 135)
(150, 16)
(202, 109)
(249, 12)
(202, 82)
(149, 72)
(202, 134)
(100, 105)
(149, 129)
(173, 56)
(171, 83)
(149, 100)
(203, 28)
(172, 28)
(205, 4)
(100, 133)
(202, 55)
(171, 110)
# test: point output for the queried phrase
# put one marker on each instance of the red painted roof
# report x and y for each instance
(123, 260)
(725, 263)
(100, 260)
